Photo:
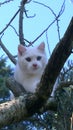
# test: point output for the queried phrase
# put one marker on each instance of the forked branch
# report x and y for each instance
(27, 105)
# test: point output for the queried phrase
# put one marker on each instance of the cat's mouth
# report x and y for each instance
(35, 66)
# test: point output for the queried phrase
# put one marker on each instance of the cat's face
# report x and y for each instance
(32, 60)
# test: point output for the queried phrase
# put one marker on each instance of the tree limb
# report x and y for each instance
(59, 56)
(21, 36)
(15, 87)
(27, 105)
(7, 52)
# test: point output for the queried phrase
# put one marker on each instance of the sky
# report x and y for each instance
(34, 26)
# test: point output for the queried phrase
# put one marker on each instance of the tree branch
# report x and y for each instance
(7, 52)
(27, 105)
(5, 2)
(15, 87)
(21, 36)
(59, 56)
(55, 20)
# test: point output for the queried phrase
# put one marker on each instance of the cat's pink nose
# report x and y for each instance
(34, 65)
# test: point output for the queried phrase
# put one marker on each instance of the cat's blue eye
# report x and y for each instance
(28, 59)
(39, 58)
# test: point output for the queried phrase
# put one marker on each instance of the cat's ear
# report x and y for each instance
(21, 49)
(41, 46)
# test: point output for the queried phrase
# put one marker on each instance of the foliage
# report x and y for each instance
(5, 71)
(67, 72)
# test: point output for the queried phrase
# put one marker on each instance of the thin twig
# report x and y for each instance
(48, 43)
(44, 30)
(14, 30)
(29, 16)
(5, 2)
(10, 22)
(18, 34)
(60, 13)
(56, 16)
(46, 7)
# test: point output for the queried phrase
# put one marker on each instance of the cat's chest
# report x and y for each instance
(30, 84)
(31, 80)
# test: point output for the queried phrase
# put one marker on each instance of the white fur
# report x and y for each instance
(25, 73)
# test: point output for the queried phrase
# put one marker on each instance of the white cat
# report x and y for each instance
(30, 66)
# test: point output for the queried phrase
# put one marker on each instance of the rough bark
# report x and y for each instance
(10, 112)
(59, 56)
(27, 105)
